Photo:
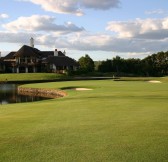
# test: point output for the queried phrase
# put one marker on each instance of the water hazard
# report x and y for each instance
(8, 94)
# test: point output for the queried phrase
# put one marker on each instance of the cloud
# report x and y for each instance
(74, 6)
(158, 11)
(102, 42)
(40, 23)
(88, 42)
(139, 28)
(99, 4)
(60, 6)
(9, 37)
(138, 36)
(3, 16)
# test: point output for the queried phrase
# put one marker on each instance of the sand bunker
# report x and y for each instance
(154, 81)
(82, 89)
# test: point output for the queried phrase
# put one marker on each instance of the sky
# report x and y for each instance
(102, 29)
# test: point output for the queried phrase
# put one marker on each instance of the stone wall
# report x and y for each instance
(42, 92)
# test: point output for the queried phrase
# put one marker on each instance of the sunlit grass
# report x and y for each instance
(29, 76)
(116, 121)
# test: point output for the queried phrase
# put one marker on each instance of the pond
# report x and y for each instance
(8, 94)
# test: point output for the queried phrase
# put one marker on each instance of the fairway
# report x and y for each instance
(114, 121)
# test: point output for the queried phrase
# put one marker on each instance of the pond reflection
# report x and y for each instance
(8, 94)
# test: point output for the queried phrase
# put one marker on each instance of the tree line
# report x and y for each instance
(152, 65)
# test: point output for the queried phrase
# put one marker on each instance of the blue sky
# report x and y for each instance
(100, 28)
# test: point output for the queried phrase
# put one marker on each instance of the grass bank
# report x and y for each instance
(116, 121)
(30, 76)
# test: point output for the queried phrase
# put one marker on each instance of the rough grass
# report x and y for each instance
(116, 121)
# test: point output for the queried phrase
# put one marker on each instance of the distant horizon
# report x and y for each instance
(101, 29)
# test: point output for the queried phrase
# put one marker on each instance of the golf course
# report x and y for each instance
(97, 121)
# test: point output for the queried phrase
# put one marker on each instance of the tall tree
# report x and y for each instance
(86, 63)
(105, 66)
(152, 65)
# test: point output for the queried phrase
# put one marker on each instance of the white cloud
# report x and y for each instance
(101, 42)
(3, 16)
(139, 28)
(88, 42)
(40, 23)
(74, 6)
(133, 37)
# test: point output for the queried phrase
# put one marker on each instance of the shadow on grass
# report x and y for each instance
(70, 88)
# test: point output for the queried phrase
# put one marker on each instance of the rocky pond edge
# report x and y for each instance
(41, 92)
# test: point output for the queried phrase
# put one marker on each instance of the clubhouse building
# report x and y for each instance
(31, 60)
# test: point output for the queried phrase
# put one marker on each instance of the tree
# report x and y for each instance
(105, 66)
(118, 64)
(86, 64)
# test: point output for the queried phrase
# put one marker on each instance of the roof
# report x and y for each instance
(45, 54)
(9, 56)
(60, 53)
(27, 51)
(61, 61)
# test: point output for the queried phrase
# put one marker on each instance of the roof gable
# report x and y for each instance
(25, 51)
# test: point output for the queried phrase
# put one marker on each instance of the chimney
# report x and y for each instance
(31, 42)
(64, 52)
(55, 52)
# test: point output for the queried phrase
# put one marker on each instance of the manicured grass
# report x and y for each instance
(114, 122)
(29, 76)
(141, 78)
